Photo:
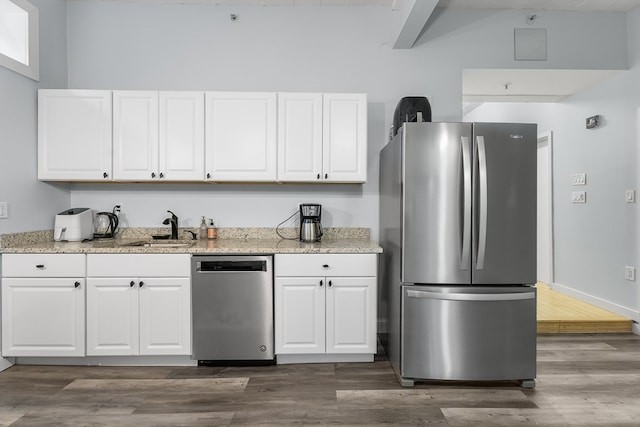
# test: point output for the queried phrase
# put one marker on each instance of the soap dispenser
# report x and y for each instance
(203, 229)
(212, 233)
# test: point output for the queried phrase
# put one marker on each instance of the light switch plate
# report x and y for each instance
(4, 210)
(579, 179)
(579, 197)
(630, 196)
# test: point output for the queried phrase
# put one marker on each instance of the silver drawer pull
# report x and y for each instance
(471, 297)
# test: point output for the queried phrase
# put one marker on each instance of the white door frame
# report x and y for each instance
(547, 137)
(636, 325)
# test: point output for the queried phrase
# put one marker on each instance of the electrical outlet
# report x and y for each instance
(4, 210)
(579, 179)
(579, 197)
(630, 196)
(630, 273)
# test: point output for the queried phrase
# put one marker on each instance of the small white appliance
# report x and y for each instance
(73, 225)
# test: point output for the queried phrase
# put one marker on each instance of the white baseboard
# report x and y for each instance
(110, 361)
(284, 359)
(598, 302)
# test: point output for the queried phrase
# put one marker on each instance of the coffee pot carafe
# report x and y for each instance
(310, 224)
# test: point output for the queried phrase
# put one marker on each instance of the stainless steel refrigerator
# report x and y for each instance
(458, 229)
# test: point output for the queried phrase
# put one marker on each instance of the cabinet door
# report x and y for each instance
(74, 135)
(135, 135)
(165, 316)
(112, 316)
(240, 136)
(299, 315)
(351, 315)
(345, 137)
(43, 317)
(300, 137)
(181, 149)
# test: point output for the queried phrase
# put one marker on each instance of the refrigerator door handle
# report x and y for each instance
(466, 195)
(482, 197)
(514, 296)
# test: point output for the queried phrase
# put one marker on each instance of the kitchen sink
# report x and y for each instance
(162, 243)
(168, 244)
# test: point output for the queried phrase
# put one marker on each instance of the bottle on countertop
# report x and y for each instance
(212, 233)
(203, 229)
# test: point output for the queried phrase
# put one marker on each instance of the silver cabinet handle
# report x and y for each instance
(482, 226)
(467, 196)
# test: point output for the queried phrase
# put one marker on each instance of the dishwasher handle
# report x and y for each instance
(230, 266)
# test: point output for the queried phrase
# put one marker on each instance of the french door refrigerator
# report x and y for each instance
(458, 228)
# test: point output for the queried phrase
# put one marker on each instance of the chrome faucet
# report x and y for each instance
(174, 225)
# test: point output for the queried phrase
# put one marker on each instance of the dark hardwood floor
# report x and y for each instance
(583, 380)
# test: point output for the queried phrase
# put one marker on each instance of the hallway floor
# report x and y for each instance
(559, 313)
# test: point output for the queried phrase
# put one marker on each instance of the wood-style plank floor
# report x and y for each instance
(583, 380)
(559, 313)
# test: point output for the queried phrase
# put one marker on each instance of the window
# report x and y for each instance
(19, 37)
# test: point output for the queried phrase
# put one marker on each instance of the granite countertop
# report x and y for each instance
(229, 241)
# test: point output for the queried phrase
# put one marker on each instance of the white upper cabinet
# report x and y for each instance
(181, 148)
(300, 137)
(240, 129)
(344, 137)
(135, 135)
(158, 136)
(153, 136)
(322, 137)
(74, 135)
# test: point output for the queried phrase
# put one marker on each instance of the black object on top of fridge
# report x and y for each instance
(407, 111)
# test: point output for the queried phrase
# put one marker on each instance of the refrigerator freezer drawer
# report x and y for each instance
(468, 333)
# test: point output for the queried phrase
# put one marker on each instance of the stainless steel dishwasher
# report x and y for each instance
(232, 309)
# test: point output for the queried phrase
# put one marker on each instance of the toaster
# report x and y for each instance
(73, 225)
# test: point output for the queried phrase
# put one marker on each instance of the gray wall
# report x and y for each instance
(595, 241)
(32, 204)
(124, 45)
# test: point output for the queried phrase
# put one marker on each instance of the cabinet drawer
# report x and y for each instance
(326, 265)
(138, 265)
(43, 265)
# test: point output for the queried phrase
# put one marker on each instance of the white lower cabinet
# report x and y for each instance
(138, 304)
(43, 305)
(325, 304)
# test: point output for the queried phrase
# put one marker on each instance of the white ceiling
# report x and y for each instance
(577, 5)
(479, 85)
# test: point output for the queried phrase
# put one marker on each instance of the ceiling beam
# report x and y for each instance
(415, 14)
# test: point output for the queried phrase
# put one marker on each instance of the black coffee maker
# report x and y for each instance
(310, 225)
